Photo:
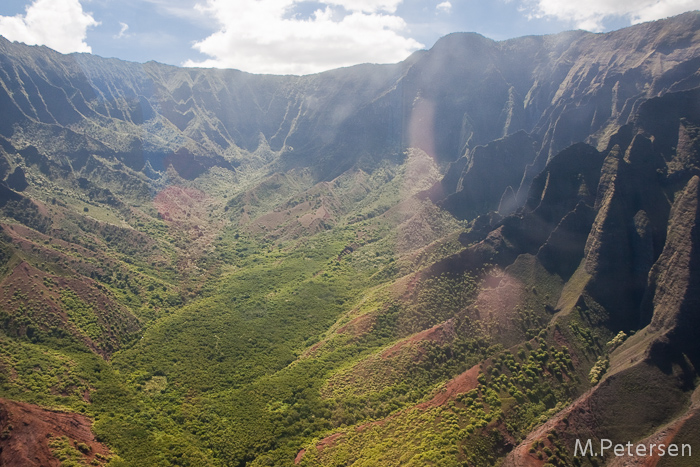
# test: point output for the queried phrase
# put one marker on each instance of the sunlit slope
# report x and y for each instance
(468, 258)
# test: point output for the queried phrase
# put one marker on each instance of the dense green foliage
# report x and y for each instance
(220, 373)
(219, 326)
(270, 340)
(223, 269)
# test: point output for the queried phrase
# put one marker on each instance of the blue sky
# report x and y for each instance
(299, 37)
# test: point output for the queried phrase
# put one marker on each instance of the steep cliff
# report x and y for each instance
(467, 258)
(464, 92)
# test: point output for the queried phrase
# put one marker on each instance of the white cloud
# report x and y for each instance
(444, 6)
(266, 37)
(370, 6)
(181, 9)
(664, 9)
(122, 31)
(590, 15)
(59, 24)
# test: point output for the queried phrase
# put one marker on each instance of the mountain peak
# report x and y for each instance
(472, 257)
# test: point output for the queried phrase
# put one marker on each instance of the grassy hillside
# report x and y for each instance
(271, 320)
(302, 288)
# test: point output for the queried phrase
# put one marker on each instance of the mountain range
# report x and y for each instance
(487, 254)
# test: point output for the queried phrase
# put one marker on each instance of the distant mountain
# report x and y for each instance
(464, 92)
(479, 256)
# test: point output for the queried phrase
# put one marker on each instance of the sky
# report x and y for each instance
(300, 36)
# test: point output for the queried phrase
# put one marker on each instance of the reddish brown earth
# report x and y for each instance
(177, 204)
(299, 457)
(440, 334)
(326, 442)
(358, 326)
(28, 287)
(51, 250)
(186, 211)
(458, 385)
(26, 430)
(577, 421)
(664, 436)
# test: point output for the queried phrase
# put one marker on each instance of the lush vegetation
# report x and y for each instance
(211, 327)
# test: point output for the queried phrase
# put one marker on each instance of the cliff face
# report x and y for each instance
(674, 281)
(655, 368)
(464, 92)
(607, 210)
(310, 213)
(478, 191)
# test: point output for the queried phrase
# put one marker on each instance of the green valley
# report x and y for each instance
(211, 268)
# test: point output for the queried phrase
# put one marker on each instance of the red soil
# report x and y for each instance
(186, 211)
(576, 420)
(177, 204)
(28, 286)
(326, 442)
(664, 436)
(45, 247)
(440, 333)
(458, 385)
(27, 430)
(358, 326)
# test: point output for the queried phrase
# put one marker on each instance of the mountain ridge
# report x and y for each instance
(468, 258)
(169, 90)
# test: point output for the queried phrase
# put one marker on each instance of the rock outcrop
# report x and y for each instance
(649, 387)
